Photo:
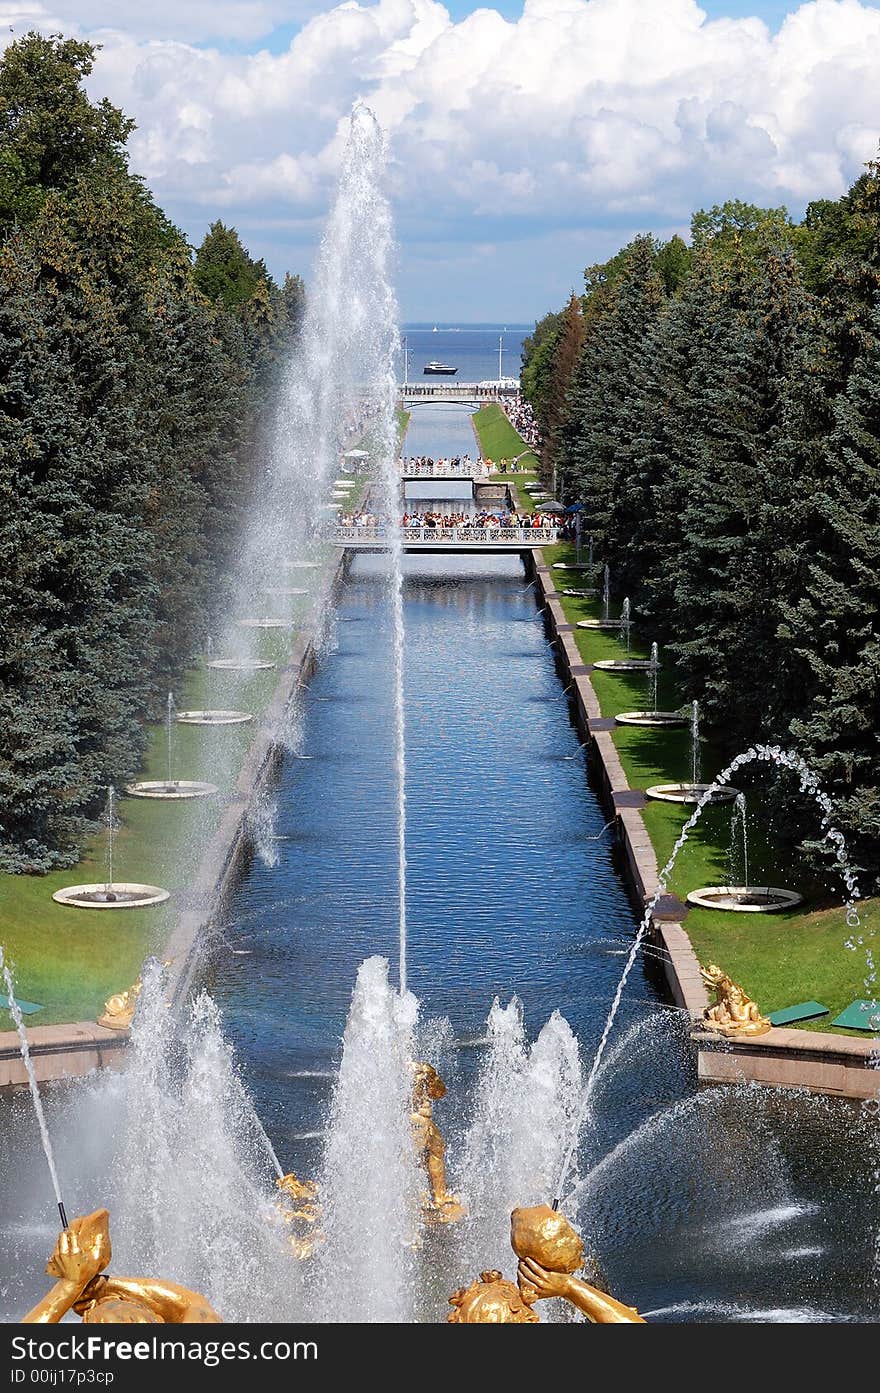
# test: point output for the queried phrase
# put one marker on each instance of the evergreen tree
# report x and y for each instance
(741, 520)
(623, 310)
(224, 272)
(832, 624)
(51, 134)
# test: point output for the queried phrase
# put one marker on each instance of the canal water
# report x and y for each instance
(721, 1204)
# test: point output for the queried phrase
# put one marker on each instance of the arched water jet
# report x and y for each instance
(809, 784)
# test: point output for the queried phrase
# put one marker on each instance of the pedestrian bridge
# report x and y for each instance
(412, 393)
(475, 539)
(473, 469)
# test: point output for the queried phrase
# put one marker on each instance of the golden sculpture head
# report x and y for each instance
(427, 1083)
(545, 1235)
(490, 1300)
(712, 975)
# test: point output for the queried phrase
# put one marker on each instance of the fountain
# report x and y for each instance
(783, 759)
(650, 665)
(624, 623)
(216, 717)
(264, 623)
(24, 1048)
(240, 665)
(651, 716)
(111, 894)
(169, 787)
(740, 896)
(693, 791)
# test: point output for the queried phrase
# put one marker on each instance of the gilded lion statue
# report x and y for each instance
(733, 1013)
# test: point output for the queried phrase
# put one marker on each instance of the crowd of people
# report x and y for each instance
(463, 463)
(522, 418)
(433, 518)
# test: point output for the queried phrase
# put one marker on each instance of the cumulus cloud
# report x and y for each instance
(580, 113)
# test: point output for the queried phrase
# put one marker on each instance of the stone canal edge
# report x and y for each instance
(62, 1051)
(818, 1061)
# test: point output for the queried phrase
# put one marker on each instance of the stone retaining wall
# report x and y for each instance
(823, 1063)
(60, 1051)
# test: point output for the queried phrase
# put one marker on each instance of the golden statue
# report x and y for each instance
(119, 1009)
(439, 1207)
(549, 1252)
(77, 1260)
(299, 1209)
(734, 1013)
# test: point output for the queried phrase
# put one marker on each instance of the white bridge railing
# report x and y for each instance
(449, 387)
(471, 470)
(353, 533)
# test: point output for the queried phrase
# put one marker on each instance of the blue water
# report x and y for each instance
(473, 349)
(722, 1204)
(440, 431)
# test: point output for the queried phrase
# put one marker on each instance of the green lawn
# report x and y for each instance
(498, 440)
(71, 960)
(781, 958)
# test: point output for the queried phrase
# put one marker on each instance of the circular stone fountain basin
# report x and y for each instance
(213, 718)
(239, 665)
(301, 565)
(600, 623)
(572, 566)
(583, 593)
(344, 484)
(175, 788)
(744, 899)
(285, 590)
(263, 623)
(627, 665)
(691, 793)
(119, 894)
(658, 719)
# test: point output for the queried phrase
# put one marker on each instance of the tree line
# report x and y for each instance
(134, 383)
(715, 408)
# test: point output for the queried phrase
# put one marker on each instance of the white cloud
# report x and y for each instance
(581, 113)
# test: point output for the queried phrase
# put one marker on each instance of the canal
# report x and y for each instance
(717, 1204)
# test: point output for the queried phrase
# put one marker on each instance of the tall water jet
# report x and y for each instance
(626, 622)
(695, 744)
(739, 842)
(653, 675)
(370, 1182)
(524, 1107)
(189, 1190)
(15, 1012)
(606, 593)
(341, 390)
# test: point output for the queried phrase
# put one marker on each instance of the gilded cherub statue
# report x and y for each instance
(549, 1252)
(301, 1212)
(439, 1207)
(78, 1259)
(118, 1010)
(734, 1013)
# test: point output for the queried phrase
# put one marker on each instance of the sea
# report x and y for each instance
(471, 348)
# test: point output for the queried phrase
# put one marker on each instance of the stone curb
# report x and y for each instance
(70, 1050)
(783, 1057)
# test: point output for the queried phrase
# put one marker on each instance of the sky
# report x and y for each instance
(526, 140)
